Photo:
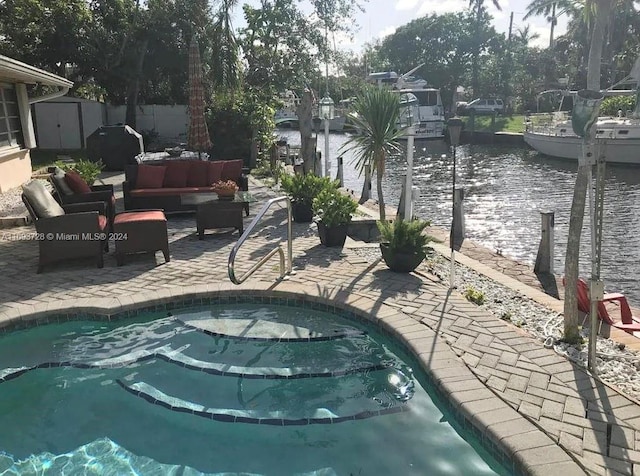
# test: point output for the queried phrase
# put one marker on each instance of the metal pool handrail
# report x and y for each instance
(267, 257)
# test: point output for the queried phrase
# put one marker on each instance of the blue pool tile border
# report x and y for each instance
(227, 418)
(211, 371)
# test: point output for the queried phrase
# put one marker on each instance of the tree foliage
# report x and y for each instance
(376, 114)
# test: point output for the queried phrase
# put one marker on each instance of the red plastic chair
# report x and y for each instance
(627, 323)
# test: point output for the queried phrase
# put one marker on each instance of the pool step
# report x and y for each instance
(265, 330)
(322, 415)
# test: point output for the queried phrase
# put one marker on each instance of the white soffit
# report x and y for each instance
(14, 71)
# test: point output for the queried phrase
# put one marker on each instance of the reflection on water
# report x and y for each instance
(505, 189)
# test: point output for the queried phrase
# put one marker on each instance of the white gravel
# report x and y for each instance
(615, 364)
(11, 204)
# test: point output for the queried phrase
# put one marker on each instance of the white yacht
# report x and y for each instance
(427, 111)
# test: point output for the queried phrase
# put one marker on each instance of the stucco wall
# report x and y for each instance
(15, 168)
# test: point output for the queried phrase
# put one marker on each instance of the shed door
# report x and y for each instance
(58, 125)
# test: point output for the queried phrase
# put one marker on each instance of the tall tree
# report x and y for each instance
(50, 35)
(226, 51)
(551, 10)
(524, 35)
(444, 43)
(477, 6)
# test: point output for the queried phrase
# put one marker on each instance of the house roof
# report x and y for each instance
(18, 72)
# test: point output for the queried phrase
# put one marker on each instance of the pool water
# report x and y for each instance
(253, 389)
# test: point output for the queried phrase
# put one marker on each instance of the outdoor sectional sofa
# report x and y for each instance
(159, 184)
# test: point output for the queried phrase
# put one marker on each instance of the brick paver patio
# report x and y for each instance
(525, 400)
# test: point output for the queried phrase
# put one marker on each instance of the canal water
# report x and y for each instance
(506, 188)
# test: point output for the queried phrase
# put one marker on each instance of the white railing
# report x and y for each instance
(232, 256)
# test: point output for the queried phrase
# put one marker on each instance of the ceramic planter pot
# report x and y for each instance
(302, 212)
(332, 236)
(400, 262)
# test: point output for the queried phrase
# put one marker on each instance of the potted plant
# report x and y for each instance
(302, 189)
(226, 190)
(403, 243)
(334, 210)
(87, 169)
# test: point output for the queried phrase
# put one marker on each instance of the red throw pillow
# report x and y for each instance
(76, 183)
(199, 174)
(232, 169)
(150, 176)
(177, 173)
(215, 171)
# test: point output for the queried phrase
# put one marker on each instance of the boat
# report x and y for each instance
(287, 117)
(425, 103)
(619, 137)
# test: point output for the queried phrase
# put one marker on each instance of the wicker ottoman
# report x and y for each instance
(140, 231)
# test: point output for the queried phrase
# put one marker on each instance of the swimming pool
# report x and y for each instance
(250, 388)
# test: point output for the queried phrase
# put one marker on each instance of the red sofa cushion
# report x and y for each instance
(232, 169)
(198, 174)
(215, 171)
(177, 173)
(133, 216)
(150, 176)
(76, 183)
(162, 192)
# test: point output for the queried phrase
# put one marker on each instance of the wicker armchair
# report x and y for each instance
(99, 193)
(81, 233)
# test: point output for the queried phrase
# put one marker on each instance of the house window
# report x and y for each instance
(10, 126)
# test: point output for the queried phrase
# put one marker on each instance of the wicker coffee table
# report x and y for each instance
(213, 213)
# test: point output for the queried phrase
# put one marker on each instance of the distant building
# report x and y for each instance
(16, 123)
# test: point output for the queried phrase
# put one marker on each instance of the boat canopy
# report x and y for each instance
(389, 75)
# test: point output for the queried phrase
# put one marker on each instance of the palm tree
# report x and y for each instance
(226, 54)
(524, 35)
(600, 11)
(552, 9)
(375, 115)
(477, 6)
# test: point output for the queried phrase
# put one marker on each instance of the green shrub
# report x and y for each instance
(611, 105)
(334, 208)
(405, 236)
(304, 188)
(474, 296)
(87, 169)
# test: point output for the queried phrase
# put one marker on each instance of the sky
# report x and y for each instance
(382, 17)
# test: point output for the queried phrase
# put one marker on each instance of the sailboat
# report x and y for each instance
(618, 136)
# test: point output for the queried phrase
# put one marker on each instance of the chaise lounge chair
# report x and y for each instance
(627, 322)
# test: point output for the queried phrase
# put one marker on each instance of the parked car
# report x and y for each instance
(485, 106)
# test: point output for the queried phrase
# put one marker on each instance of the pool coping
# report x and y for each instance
(509, 436)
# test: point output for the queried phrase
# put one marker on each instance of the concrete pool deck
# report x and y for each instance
(530, 405)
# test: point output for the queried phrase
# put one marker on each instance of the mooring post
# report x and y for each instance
(400, 212)
(458, 216)
(544, 259)
(317, 165)
(340, 176)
